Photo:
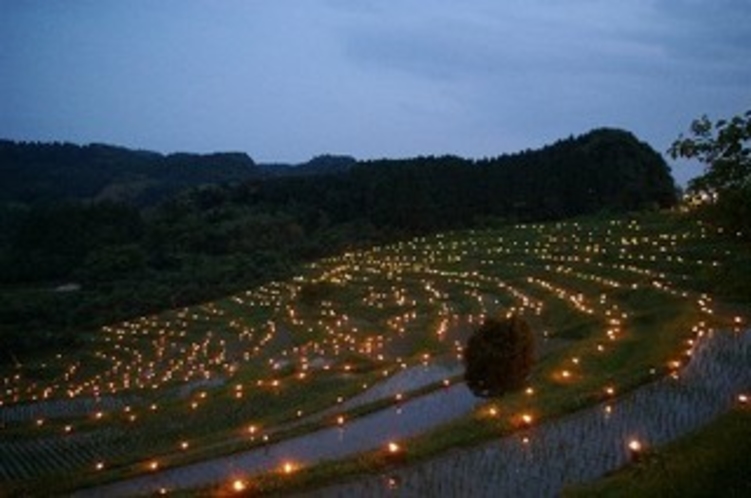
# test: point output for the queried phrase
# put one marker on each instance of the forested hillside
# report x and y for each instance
(229, 233)
(31, 173)
(602, 170)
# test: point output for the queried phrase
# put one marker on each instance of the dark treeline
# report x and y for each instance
(31, 173)
(221, 238)
(605, 170)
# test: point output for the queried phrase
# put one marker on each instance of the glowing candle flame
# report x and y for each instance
(634, 445)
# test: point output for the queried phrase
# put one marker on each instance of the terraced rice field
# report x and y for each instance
(614, 303)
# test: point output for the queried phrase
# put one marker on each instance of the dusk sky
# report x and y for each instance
(285, 80)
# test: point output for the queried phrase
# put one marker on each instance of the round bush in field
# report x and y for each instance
(499, 356)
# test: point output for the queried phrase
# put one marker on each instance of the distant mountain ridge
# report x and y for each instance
(46, 172)
(605, 168)
(320, 165)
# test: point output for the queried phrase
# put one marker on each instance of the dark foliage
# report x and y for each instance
(314, 293)
(603, 170)
(499, 356)
(53, 241)
(724, 147)
(31, 173)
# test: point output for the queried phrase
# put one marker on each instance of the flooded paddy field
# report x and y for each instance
(365, 348)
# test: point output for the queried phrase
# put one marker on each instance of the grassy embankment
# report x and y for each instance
(712, 461)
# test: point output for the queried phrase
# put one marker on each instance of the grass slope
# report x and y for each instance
(713, 461)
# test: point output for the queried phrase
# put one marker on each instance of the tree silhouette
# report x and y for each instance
(724, 147)
(499, 356)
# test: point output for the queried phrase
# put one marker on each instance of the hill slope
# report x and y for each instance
(604, 169)
(33, 172)
(217, 240)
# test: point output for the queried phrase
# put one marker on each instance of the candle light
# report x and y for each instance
(635, 448)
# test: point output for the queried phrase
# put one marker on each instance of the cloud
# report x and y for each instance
(708, 37)
(482, 38)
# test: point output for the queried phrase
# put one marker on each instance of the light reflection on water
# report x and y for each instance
(363, 434)
(583, 446)
(537, 462)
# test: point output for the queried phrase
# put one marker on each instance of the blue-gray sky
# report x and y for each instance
(284, 80)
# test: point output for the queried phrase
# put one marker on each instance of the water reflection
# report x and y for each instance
(585, 445)
(371, 432)
(538, 461)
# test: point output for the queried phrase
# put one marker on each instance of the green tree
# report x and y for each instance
(724, 147)
(109, 263)
(499, 356)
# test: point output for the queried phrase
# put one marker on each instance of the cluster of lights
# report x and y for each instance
(406, 285)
